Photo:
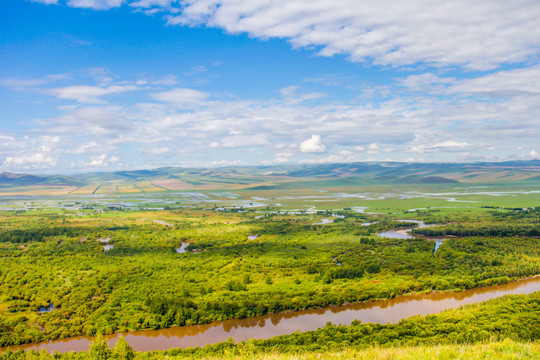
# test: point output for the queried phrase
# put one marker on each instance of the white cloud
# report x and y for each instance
(91, 146)
(156, 151)
(23, 84)
(89, 94)
(477, 34)
(151, 3)
(281, 158)
(95, 4)
(291, 96)
(181, 96)
(373, 149)
(168, 80)
(36, 160)
(426, 81)
(103, 122)
(99, 161)
(244, 141)
(516, 82)
(341, 156)
(447, 144)
(405, 120)
(5, 138)
(534, 155)
(312, 145)
(46, 2)
(424, 144)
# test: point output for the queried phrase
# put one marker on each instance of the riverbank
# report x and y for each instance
(500, 350)
(144, 283)
(389, 311)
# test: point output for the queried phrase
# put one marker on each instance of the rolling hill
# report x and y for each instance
(272, 177)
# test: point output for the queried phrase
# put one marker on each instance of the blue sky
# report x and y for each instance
(99, 85)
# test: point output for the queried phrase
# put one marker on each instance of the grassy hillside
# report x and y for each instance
(273, 177)
(506, 349)
(503, 350)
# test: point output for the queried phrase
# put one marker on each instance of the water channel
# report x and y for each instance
(267, 326)
(405, 233)
(263, 327)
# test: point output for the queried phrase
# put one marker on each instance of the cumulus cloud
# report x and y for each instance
(279, 158)
(312, 145)
(31, 161)
(99, 161)
(406, 119)
(373, 149)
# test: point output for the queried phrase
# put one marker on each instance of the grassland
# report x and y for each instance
(503, 350)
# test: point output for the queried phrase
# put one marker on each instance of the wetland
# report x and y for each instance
(189, 269)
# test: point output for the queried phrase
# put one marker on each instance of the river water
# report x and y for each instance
(262, 327)
(405, 233)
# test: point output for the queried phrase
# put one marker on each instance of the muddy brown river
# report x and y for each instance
(262, 327)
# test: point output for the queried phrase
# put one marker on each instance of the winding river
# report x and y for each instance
(404, 233)
(267, 326)
(263, 327)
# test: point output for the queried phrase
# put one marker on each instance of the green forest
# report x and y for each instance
(50, 262)
(510, 319)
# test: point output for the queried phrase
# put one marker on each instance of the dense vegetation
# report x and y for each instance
(517, 222)
(511, 317)
(49, 261)
(501, 350)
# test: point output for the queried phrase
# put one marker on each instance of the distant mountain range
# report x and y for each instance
(269, 177)
(11, 179)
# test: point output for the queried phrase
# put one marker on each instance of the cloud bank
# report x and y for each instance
(463, 85)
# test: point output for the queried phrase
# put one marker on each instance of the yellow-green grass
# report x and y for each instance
(87, 189)
(506, 349)
(38, 190)
(128, 189)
